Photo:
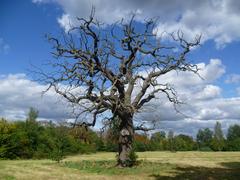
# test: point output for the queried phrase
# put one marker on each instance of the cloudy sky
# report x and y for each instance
(23, 25)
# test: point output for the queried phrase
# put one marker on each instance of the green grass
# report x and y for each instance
(152, 165)
(109, 167)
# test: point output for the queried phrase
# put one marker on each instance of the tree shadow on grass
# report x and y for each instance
(229, 171)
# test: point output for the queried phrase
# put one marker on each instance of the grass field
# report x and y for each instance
(152, 165)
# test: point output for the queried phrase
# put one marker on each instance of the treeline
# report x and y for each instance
(33, 139)
(206, 140)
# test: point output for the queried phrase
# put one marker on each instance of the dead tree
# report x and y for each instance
(103, 69)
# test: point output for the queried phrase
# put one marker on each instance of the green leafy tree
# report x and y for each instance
(204, 138)
(184, 143)
(171, 142)
(20, 143)
(29, 139)
(218, 141)
(32, 130)
(233, 138)
(158, 136)
(7, 146)
(158, 141)
(233, 132)
(141, 142)
(61, 144)
(233, 145)
(32, 115)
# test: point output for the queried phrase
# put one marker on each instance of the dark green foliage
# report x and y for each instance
(158, 141)
(132, 158)
(233, 138)
(14, 141)
(184, 143)
(61, 144)
(7, 147)
(218, 141)
(204, 138)
(111, 146)
(99, 143)
(30, 139)
(32, 115)
(171, 142)
(141, 142)
(233, 132)
(158, 136)
(141, 146)
(234, 145)
(56, 155)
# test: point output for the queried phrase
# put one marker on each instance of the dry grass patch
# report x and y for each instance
(154, 165)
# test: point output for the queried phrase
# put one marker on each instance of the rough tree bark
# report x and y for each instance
(125, 141)
(101, 69)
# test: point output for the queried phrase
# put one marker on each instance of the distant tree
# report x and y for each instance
(101, 66)
(218, 140)
(29, 139)
(111, 135)
(233, 132)
(61, 143)
(170, 134)
(171, 143)
(21, 143)
(158, 136)
(32, 130)
(7, 146)
(233, 138)
(179, 144)
(158, 141)
(32, 115)
(233, 145)
(218, 134)
(141, 142)
(82, 134)
(204, 138)
(184, 143)
(98, 140)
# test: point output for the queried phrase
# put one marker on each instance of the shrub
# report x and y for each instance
(132, 161)
(57, 155)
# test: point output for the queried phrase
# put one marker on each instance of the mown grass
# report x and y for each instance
(109, 168)
(153, 165)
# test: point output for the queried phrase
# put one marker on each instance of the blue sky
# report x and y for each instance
(23, 25)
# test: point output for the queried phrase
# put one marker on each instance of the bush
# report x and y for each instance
(141, 146)
(31, 140)
(234, 145)
(132, 158)
(57, 155)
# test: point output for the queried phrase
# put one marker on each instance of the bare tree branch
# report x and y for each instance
(97, 69)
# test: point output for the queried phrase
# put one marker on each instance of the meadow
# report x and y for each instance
(152, 165)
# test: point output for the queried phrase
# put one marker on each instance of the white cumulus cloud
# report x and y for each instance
(233, 78)
(18, 94)
(203, 103)
(218, 20)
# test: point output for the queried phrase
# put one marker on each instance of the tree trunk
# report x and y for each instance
(125, 142)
